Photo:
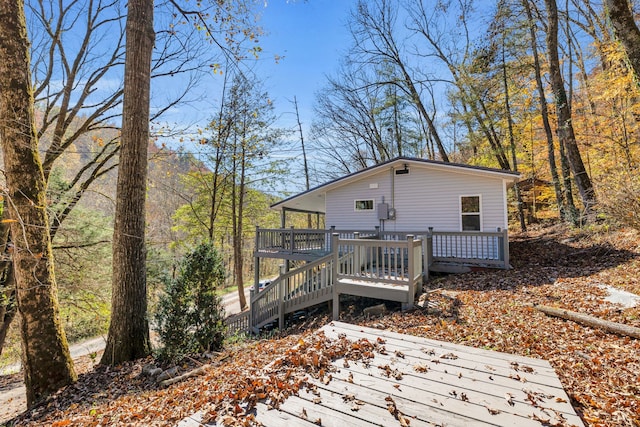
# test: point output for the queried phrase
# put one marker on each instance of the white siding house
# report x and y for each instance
(408, 194)
(388, 226)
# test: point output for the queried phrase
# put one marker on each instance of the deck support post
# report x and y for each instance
(334, 272)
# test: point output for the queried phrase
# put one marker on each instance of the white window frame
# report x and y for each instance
(356, 209)
(479, 213)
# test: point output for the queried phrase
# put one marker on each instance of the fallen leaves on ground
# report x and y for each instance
(489, 309)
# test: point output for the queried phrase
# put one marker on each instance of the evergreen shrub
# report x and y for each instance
(190, 315)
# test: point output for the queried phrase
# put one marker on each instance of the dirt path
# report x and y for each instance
(13, 399)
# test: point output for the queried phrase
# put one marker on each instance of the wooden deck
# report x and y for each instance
(427, 383)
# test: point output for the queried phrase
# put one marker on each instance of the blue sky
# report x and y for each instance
(312, 37)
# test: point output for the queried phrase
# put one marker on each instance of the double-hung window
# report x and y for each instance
(470, 217)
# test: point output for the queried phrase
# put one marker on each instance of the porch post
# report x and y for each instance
(505, 247)
(357, 261)
(334, 273)
(410, 271)
(332, 230)
(428, 252)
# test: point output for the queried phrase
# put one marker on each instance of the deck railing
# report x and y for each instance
(380, 261)
(461, 247)
(373, 256)
(296, 289)
(295, 240)
(237, 323)
(469, 248)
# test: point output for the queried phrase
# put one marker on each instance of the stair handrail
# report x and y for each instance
(277, 292)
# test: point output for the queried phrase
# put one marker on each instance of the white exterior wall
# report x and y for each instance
(426, 197)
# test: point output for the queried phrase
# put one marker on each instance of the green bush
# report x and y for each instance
(190, 316)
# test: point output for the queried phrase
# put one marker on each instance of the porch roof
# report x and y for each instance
(313, 200)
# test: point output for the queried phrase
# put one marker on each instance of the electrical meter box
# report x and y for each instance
(383, 211)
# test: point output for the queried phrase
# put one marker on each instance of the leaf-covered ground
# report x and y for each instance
(488, 309)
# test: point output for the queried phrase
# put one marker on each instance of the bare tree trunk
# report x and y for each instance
(128, 337)
(222, 130)
(304, 156)
(626, 30)
(512, 141)
(415, 97)
(544, 112)
(237, 202)
(378, 24)
(563, 111)
(46, 360)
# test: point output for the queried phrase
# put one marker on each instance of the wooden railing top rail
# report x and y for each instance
(379, 243)
(381, 233)
(470, 233)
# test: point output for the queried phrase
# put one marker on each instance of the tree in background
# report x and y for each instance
(565, 128)
(47, 363)
(626, 29)
(128, 337)
(78, 52)
(544, 112)
(360, 122)
(375, 43)
(235, 160)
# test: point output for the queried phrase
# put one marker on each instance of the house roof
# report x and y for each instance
(313, 200)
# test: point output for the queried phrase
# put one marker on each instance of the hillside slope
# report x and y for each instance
(487, 309)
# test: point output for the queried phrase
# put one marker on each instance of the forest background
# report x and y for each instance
(546, 90)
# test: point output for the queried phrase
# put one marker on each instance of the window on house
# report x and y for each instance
(364, 205)
(470, 212)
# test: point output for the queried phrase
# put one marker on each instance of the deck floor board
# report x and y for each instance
(429, 383)
(468, 386)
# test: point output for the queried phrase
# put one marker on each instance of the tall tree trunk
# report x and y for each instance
(128, 337)
(544, 112)
(626, 31)
(237, 201)
(238, 245)
(565, 127)
(512, 141)
(46, 360)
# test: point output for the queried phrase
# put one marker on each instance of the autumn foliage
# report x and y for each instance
(486, 309)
